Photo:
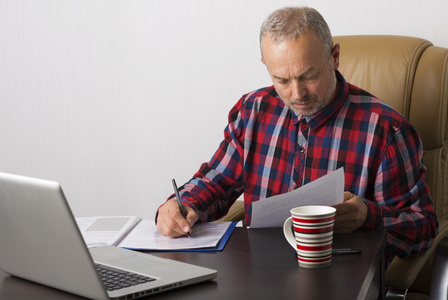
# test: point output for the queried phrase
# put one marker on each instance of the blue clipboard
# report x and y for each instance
(219, 246)
(221, 243)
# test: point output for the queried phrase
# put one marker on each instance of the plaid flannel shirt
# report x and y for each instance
(269, 150)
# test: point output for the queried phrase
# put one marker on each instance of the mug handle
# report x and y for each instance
(287, 231)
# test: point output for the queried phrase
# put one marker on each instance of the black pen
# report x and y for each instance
(179, 202)
(346, 251)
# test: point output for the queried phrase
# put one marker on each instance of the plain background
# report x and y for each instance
(113, 99)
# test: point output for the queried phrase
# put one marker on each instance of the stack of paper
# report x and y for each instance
(145, 236)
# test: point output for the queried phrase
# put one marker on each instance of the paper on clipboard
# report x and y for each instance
(205, 236)
(273, 211)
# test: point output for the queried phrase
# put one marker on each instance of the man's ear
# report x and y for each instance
(335, 55)
(262, 60)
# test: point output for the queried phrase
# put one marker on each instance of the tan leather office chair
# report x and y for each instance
(411, 75)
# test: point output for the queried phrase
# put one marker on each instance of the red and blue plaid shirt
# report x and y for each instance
(269, 150)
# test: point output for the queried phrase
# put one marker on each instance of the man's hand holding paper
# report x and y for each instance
(351, 214)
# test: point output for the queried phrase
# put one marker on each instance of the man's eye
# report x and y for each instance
(311, 77)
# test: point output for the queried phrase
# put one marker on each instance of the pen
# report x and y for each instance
(176, 192)
(347, 251)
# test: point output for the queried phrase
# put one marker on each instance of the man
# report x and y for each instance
(312, 122)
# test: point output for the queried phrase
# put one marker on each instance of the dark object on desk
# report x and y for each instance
(257, 264)
(179, 201)
(347, 251)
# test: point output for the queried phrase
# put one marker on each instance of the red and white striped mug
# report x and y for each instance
(309, 231)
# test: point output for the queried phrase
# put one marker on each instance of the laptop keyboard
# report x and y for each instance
(115, 279)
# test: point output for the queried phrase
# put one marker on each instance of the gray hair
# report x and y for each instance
(291, 22)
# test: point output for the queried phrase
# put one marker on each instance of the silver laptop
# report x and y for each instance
(40, 241)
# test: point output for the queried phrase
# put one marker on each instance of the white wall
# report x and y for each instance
(114, 98)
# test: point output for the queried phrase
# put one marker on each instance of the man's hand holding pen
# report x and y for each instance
(171, 222)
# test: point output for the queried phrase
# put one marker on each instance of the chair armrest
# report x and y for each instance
(401, 273)
(439, 282)
(235, 213)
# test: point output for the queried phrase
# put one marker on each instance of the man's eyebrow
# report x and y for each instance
(279, 77)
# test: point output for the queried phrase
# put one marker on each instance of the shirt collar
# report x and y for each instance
(322, 116)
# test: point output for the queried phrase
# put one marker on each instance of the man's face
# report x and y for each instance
(302, 73)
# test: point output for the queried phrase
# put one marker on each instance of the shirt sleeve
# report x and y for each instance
(401, 201)
(218, 183)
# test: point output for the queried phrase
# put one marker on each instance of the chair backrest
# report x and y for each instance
(411, 75)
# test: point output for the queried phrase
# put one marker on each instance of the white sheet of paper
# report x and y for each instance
(106, 235)
(273, 211)
(145, 236)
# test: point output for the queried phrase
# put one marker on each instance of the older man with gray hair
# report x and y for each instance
(309, 123)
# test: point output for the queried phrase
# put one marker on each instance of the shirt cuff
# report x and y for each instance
(374, 215)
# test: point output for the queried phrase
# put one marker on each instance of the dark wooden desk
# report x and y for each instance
(260, 264)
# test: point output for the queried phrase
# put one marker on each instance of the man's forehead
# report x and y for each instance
(298, 55)
(307, 42)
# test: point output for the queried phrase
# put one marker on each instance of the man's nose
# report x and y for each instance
(299, 90)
